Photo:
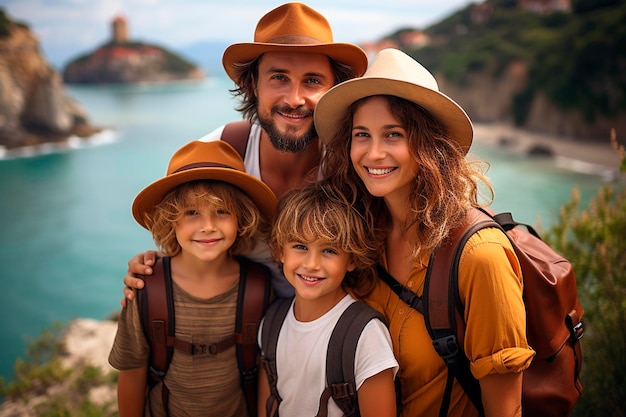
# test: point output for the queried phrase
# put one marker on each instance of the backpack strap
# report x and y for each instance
(272, 323)
(156, 304)
(253, 299)
(340, 379)
(236, 134)
(156, 307)
(440, 305)
(409, 297)
(443, 310)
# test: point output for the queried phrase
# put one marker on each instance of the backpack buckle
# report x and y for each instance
(447, 346)
(343, 390)
(250, 375)
(578, 330)
(202, 349)
(156, 374)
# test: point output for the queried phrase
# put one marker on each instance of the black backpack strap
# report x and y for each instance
(340, 379)
(156, 309)
(253, 299)
(236, 134)
(272, 323)
(506, 222)
(409, 297)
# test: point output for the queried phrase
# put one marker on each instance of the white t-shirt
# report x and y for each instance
(251, 161)
(301, 359)
(261, 252)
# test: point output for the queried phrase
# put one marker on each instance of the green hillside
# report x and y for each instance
(577, 59)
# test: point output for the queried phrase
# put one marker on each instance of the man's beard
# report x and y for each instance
(285, 141)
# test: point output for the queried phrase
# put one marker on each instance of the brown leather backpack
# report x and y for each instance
(156, 308)
(551, 385)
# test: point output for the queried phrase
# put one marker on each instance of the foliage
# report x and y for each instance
(92, 376)
(577, 60)
(595, 240)
(593, 79)
(62, 406)
(172, 62)
(5, 24)
(41, 370)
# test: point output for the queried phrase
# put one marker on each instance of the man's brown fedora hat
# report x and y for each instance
(298, 28)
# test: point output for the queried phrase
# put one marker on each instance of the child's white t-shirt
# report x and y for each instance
(301, 359)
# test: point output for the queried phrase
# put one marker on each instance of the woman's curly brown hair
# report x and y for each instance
(216, 194)
(445, 187)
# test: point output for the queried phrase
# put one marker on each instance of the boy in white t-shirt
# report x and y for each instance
(328, 255)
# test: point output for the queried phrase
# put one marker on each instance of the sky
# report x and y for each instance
(67, 28)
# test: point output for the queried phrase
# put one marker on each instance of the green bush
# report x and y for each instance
(594, 239)
(41, 369)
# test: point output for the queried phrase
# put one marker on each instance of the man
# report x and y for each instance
(280, 76)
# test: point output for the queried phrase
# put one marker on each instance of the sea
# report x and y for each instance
(66, 229)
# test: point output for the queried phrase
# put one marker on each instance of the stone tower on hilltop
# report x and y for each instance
(120, 29)
(121, 60)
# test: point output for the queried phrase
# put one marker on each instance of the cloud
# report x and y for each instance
(68, 27)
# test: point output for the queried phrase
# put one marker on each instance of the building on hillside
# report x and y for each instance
(481, 12)
(545, 6)
(119, 27)
(406, 40)
(413, 39)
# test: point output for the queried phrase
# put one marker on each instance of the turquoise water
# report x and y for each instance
(66, 228)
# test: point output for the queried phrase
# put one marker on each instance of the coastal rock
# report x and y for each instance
(123, 61)
(129, 63)
(87, 342)
(34, 107)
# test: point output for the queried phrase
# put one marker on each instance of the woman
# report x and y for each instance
(396, 147)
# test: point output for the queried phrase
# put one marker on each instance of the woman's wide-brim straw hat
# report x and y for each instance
(198, 160)
(393, 73)
(293, 27)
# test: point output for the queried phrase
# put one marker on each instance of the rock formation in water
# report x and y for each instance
(34, 107)
(123, 61)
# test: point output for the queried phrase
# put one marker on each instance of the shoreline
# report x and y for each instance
(570, 153)
(578, 155)
(102, 137)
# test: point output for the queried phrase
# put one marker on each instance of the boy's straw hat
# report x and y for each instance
(293, 27)
(393, 73)
(197, 160)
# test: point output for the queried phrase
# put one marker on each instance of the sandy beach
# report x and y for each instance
(576, 154)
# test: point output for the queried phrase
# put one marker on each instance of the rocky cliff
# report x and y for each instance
(489, 99)
(34, 106)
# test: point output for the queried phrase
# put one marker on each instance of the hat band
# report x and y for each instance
(202, 165)
(295, 40)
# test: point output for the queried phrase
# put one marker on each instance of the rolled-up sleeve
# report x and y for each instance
(490, 287)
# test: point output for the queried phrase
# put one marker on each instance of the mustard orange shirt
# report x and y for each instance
(490, 287)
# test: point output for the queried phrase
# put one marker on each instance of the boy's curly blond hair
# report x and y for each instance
(318, 211)
(216, 194)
